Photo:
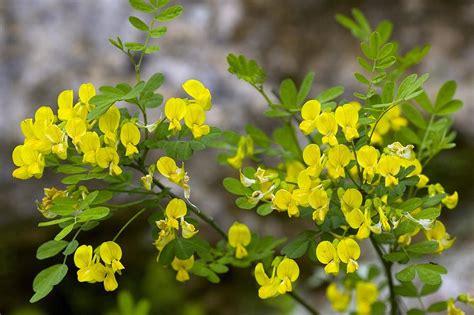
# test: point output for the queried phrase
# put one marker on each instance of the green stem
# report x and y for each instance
(72, 240)
(129, 204)
(388, 272)
(392, 105)
(137, 192)
(128, 223)
(308, 307)
(425, 136)
(139, 63)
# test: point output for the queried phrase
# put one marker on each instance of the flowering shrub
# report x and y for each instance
(350, 170)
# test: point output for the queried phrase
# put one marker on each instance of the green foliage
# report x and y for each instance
(246, 69)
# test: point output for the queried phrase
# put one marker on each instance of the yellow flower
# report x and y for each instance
(130, 137)
(347, 116)
(239, 237)
(65, 102)
(89, 144)
(438, 233)
(187, 229)
(175, 110)
(349, 251)
(108, 158)
(175, 210)
(268, 286)
(111, 253)
(109, 123)
(389, 166)
(339, 157)
(327, 126)
(287, 272)
(244, 149)
(339, 299)
(451, 201)
(58, 141)
(76, 128)
(327, 255)
(367, 156)
(182, 266)
(351, 199)
(404, 152)
(168, 168)
(280, 282)
(312, 158)
(49, 195)
(285, 201)
(194, 120)
(453, 310)
(29, 162)
(319, 201)
(89, 269)
(366, 295)
(86, 92)
(309, 112)
(200, 94)
(362, 222)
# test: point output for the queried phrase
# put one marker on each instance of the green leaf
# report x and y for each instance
(414, 116)
(183, 248)
(167, 254)
(297, 247)
(430, 273)
(138, 24)
(50, 249)
(158, 32)
(258, 136)
(235, 187)
(445, 94)
(425, 247)
(54, 222)
(449, 108)
(438, 306)
(159, 3)
(361, 78)
(395, 256)
(102, 103)
(330, 94)
(46, 279)
(415, 311)
(283, 136)
(429, 213)
(305, 88)
(406, 274)
(407, 289)
(169, 13)
(424, 101)
(385, 30)
(152, 49)
(218, 268)
(288, 93)
(245, 203)
(136, 90)
(64, 232)
(246, 69)
(134, 46)
(428, 289)
(264, 209)
(141, 6)
(410, 204)
(96, 213)
(70, 169)
(71, 247)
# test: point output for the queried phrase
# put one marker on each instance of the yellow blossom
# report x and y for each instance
(366, 295)
(319, 201)
(239, 237)
(194, 120)
(49, 195)
(285, 201)
(310, 112)
(438, 233)
(86, 92)
(347, 117)
(108, 158)
(65, 102)
(175, 210)
(111, 253)
(76, 128)
(200, 94)
(349, 251)
(175, 110)
(339, 299)
(287, 272)
(268, 285)
(29, 162)
(168, 168)
(326, 254)
(312, 158)
(327, 126)
(58, 141)
(109, 123)
(281, 280)
(389, 166)
(339, 157)
(130, 137)
(367, 156)
(351, 199)
(244, 149)
(89, 144)
(451, 201)
(453, 309)
(182, 266)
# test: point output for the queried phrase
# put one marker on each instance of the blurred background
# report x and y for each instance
(47, 46)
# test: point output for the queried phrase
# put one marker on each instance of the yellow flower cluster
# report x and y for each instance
(366, 295)
(191, 110)
(99, 265)
(177, 175)
(48, 133)
(285, 272)
(331, 254)
(173, 222)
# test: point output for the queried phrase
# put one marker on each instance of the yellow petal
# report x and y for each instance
(325, 252)
(348, 249)
(83, 256)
